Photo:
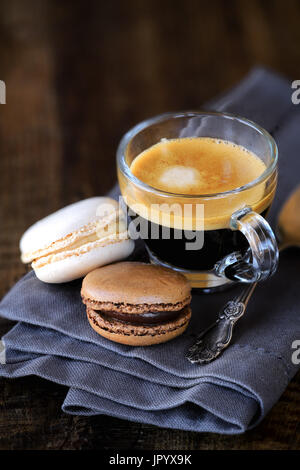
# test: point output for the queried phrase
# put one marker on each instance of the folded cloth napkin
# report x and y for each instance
(156, 384)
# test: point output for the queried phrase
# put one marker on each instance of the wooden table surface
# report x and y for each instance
(78, 75)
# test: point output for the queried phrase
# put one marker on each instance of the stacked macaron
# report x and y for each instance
(137, 304)
(75, 240)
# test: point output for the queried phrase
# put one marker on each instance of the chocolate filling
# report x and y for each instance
(147, 318)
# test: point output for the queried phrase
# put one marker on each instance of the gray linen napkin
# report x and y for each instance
(157, 385)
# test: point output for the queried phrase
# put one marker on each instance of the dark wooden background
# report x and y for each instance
(78, 75)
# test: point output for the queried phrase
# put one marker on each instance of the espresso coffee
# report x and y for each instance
(193, 170)
(194, 166)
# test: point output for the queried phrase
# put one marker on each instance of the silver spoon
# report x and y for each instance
(211, 342)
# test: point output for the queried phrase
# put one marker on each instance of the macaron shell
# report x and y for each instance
(63, 222)
(150, 335)
(135, 308)
(76, 266)
(132, 283)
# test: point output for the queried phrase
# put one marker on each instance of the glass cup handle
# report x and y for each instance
(261, 259)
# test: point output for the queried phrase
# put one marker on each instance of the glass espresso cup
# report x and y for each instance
(213, 239)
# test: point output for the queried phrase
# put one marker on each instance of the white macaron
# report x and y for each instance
(73, 241)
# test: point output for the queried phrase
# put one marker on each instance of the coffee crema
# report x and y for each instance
(195, 171)
(198, 165)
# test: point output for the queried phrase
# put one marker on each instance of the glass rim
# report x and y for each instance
(135, 130)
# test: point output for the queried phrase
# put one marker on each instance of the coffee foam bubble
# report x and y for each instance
(180, 177)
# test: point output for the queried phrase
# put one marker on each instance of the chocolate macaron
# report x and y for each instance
(137, 304)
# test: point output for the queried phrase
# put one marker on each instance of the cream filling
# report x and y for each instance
(79, 249)
(109, 230)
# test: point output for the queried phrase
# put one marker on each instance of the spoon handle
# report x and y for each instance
(212, 341)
